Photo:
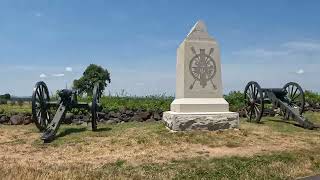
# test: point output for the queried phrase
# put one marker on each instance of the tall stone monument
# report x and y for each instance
(199, 103)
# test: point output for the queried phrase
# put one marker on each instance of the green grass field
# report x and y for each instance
(271, 150)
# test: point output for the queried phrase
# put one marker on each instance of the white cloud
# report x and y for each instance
(300, 71)
(43, 76)
(69, 69)
(57, 75)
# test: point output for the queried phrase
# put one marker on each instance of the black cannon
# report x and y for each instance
(41, 106)
(290, 99)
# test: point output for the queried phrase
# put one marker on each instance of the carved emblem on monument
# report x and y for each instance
(202, 68)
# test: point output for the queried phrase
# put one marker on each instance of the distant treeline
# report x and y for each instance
(8, 97)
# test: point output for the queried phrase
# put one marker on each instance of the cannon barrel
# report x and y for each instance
(279, 92)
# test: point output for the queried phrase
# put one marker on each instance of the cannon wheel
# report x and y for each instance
(254, 102)
(295, 95)
(95, 106)
(40, 98)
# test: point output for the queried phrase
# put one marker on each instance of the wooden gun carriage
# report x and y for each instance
(41, 105)
(290, 99)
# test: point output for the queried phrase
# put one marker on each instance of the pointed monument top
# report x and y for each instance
(199, 32)
(199, 26)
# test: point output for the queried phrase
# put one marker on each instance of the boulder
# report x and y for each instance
(157, 116)
(142, 116)
(124, 117)
(16, 120)
(145, 115)
(114, 114)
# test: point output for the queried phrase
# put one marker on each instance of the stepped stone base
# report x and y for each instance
(201, 121)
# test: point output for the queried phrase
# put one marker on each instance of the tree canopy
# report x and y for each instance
(5, 96)
(92, 75)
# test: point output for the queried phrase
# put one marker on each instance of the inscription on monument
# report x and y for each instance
(202, 68)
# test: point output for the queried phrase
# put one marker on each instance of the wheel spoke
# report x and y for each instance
(251, 91)
(294, 98)
(291, 89)
(256, 110)
(295, 92)
(251, 110)
(37, 93)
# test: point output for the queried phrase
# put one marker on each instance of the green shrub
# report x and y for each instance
(312, 97)
(20, 103)
(235, 100)
(150, 103)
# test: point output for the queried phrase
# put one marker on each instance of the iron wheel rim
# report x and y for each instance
(295, 96)
(254, 102)
(40, 113)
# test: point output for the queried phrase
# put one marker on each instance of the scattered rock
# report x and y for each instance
(242, 113)
(150, 120)
(4, 119)
(86, 119)
(68, 118)
(129, 113)
(124, 117)
(27, 120)
(111, 121)
(77, 121)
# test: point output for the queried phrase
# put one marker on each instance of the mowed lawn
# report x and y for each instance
(273, 149)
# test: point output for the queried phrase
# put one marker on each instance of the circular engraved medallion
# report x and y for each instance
(202, 68)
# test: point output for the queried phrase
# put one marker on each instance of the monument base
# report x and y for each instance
(199, 105)
(201, 121)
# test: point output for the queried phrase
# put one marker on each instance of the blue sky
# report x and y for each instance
(272, 42)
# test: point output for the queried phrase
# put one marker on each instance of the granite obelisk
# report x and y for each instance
(199, 102)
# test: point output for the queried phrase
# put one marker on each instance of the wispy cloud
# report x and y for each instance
(139, 84)
(57, 75)
(289, 52)
(260, 52)
(69, 69)
(303, 45)
(43, 76)
(300, 71)
(38, 14)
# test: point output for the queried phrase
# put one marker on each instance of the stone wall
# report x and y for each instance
(111, 117)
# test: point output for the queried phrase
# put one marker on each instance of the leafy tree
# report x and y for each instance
(5, 96)
(92, 75)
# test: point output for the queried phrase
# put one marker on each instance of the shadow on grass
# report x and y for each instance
(292, 122)
(103, 129)
(69, 131)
